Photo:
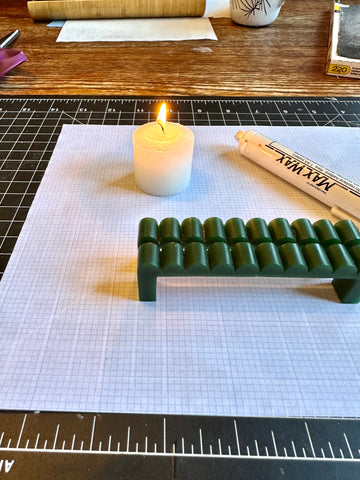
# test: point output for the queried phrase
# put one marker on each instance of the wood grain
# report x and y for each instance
(82, 9)
(287, 58)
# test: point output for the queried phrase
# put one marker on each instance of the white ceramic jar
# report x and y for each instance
(255, 13)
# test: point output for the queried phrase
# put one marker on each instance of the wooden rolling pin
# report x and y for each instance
(81, 9)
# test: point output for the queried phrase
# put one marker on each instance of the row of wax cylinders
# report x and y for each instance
(252, 249)
(255, 231)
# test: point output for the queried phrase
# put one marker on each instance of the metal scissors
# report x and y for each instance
(10, 57)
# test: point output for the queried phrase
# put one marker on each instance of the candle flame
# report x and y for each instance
(161, 119)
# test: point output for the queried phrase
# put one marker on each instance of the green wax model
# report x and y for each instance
(254, 248)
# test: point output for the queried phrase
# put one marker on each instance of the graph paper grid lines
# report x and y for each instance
(75, 336)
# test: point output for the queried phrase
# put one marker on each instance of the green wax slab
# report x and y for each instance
(341, 260)
(348, 233)
(304, 231)
(281, 231)
(169, 230)
(191, 230)
(235, 231)
(322, 250)
(317, 260)
(355, 255)
(148, 230)
(214, 230)
(293, 260)
(172, 259)
(326, 232)
(220, 259)
(244, 259)
(269, 259)
(196, 259)
(258, 231)
(148, 256)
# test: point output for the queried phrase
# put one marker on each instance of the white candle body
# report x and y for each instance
(162, 161)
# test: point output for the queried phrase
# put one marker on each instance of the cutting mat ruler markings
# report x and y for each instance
(90, 446)
(106, 446)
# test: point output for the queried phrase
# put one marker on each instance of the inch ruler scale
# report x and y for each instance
(133, 446)
(64, 445)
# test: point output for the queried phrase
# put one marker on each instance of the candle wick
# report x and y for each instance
(161, 124)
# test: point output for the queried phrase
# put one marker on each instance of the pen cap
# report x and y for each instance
(243, 138)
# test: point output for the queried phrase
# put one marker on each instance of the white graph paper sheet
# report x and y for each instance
(74, 335)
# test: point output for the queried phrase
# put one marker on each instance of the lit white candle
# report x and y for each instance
(163, 156)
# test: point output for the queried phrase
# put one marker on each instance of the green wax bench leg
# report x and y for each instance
(148, 271)
(348, 289)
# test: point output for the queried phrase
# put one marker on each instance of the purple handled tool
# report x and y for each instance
(10, 57)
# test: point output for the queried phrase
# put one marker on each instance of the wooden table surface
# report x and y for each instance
(287, 58)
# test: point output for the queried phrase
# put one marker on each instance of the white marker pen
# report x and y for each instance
(342, 195)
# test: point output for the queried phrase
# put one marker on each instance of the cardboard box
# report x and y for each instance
(344, 44)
